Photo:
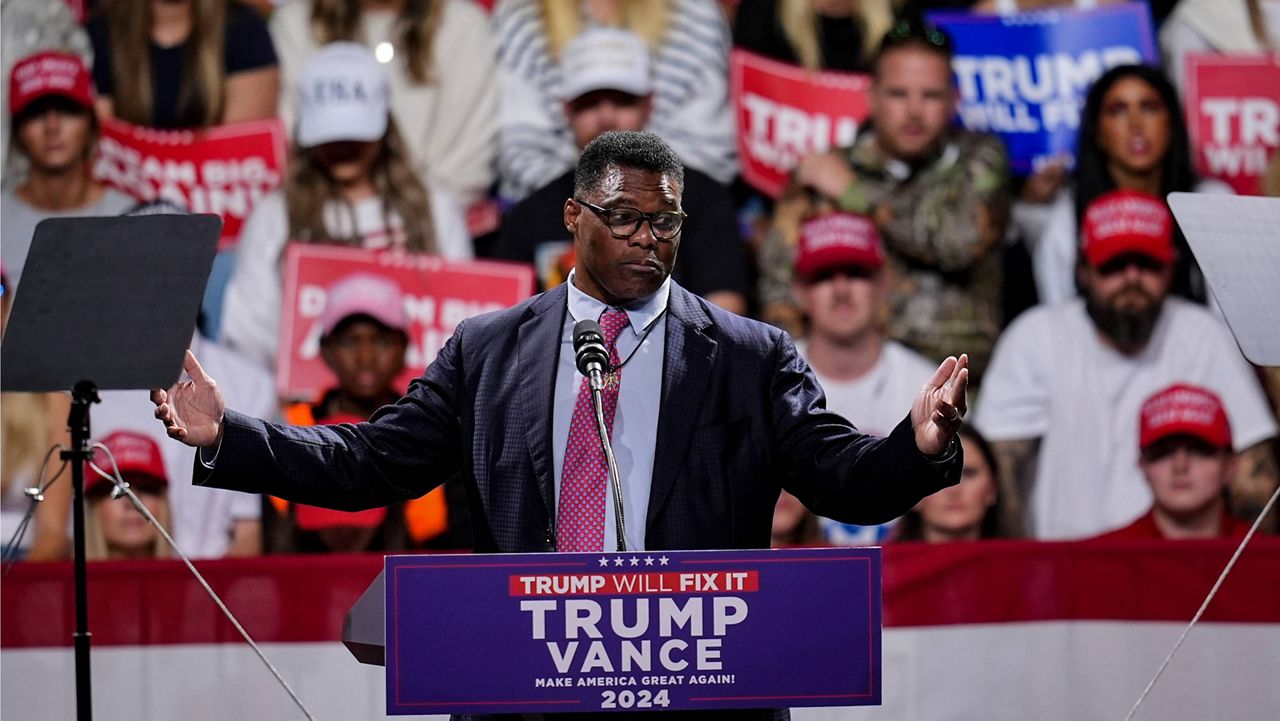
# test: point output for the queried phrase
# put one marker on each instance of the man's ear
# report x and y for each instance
(571, 212)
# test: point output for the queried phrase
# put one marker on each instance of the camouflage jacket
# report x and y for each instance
(942, 225)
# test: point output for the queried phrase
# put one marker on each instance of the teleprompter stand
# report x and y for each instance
(104, 303)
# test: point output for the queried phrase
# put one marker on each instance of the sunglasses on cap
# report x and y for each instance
(908, 30)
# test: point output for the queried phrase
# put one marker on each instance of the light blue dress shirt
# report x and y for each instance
(635, 423)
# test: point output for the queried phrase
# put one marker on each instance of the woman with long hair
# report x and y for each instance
(31, 424)
(1132, 137)
(183, 63)
(967, 511)
(439, 58)
(350, 182)
(114, 528)
(815, 34)
(689, 43)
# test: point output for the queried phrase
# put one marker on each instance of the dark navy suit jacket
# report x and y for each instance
(741, 417)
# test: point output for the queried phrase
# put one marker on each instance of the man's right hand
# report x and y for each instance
(192, 409)
(827, 173)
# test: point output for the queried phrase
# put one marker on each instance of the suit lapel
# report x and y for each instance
(537, 358)
(688, 364)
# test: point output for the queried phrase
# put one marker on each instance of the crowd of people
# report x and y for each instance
(1109, 397)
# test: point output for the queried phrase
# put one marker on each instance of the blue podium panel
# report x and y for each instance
(540, 633)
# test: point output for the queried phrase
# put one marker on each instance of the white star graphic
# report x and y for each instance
(635, 561)
(604, 561)
(648, 560)
(617, 561)
(662, 561)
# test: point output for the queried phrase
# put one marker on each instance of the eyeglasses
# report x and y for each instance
(1121, 263)
(624, 222)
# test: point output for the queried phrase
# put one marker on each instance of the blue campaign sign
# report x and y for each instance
(540, 633)
(1025, 76)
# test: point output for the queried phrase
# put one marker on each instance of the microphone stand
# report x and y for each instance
(597, 401)
(83, 395)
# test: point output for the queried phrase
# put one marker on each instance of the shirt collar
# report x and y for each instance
(641, 313)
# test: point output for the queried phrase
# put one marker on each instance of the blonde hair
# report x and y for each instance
(309, 189)
(95, 542)
(201, 95)
(334, 20)
(800, 25)
(23, 437)
(562, 21)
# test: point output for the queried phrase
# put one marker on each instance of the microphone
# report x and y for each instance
(593, 362)
(588, 347)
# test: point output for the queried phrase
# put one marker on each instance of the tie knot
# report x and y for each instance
(612, 323)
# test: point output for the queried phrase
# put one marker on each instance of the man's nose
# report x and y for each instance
(1181, 458)
(51, 120)
(644, 236)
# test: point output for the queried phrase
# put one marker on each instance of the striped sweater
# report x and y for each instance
(691, 108)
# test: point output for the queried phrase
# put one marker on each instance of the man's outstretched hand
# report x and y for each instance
(192, 409)
(940, 406)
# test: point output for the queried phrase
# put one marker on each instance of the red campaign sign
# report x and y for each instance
(1233, 113)
(79, 10)
(224, 170)
(439, 294)
(785, 112)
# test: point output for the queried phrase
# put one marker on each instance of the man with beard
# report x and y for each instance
(1067, 381)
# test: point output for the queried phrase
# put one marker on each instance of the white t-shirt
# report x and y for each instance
(251, 310)
(876, 403)
(18, 222)
(201, 519)
(1051, 377)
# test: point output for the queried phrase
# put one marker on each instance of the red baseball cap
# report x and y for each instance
(837, 239)
(376, 296)
(49, 73)
(138, 458)
(1184, 410)
(1127, 221)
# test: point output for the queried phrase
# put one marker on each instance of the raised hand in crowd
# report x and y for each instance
(826, 173)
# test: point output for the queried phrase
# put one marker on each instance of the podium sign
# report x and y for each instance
(632, 631)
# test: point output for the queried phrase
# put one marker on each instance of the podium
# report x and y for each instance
(600, 632)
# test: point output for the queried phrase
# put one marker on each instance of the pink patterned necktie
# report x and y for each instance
(585, 480)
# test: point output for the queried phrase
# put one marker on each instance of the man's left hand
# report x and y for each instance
(940, 406)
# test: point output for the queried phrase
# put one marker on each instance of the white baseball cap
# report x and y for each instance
(604, 59)
(343, 94)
